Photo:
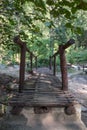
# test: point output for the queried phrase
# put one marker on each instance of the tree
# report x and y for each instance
(27, 18)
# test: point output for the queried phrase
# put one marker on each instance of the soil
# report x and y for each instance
(78, 86)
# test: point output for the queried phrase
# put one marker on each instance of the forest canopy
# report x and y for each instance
(43, 25)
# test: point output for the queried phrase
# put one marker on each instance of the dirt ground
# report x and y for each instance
(77, 85)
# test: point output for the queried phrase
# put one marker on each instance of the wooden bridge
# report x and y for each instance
(43, 89)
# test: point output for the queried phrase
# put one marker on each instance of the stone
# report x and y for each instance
(12, 86)
(69, 110)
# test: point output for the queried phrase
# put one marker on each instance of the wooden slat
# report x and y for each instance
(43, 93)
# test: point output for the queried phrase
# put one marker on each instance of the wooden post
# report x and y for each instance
(31, 62)
(22, 60)
(50, 63)
(22, 67)
(63, 66)
(54, 66)
(36, 62)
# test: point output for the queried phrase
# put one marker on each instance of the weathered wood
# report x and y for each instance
(54, 66)
(69, 43)
(36, 62)
(22, 67)
(44, 94)
(55, 54)
(40, 104)
(28, 50)
(17, 40)
(22, 60)
(31, 62)
(63, 66)
(50, 63)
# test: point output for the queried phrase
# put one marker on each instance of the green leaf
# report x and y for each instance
(68, 25)
(50, 2)
(82, 5)
(73, 10)
(40, 4)
(11, 21)
(49, 24)
(78, 30)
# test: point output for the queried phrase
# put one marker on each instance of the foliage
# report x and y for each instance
(82, 40)
(43, 24)
(77, 55)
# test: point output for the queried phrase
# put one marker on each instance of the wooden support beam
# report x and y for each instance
(22, 67)
(63, 64)
(50, 63)
(28, 50)
(55, 54)
(36, 62)
(54, 66)
(31, 62)
(22, 61)
(18, 41)
(63, 67)
(69, 43)
(23, 48)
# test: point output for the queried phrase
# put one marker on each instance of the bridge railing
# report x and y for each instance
(63, 64)
(23, 49)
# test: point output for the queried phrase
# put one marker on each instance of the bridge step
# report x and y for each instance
(40, 98)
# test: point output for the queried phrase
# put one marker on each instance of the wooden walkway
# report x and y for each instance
(43, 90)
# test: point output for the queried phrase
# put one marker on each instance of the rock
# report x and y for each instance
(16, 67)
(8, 82)
(16, 110)
(2, 110)
(2, 66)
(12, 86)
(40, 110)
(70, 110)
(4, 79)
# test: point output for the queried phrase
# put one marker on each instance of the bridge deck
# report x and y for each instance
(42, 90)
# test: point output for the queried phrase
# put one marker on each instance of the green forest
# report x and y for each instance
(43, 25)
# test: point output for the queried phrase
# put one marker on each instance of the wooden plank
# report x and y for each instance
(44, 93)
(38, 104)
